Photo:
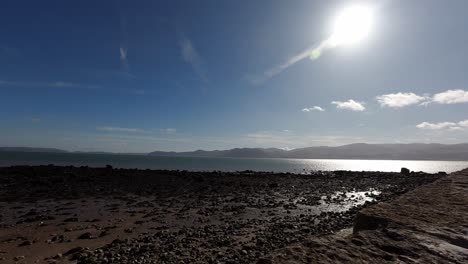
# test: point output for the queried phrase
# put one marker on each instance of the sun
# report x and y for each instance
(352, 25)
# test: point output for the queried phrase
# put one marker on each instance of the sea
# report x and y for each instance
(131, 161)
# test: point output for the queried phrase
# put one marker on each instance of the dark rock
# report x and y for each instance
(264, 261)
(103, 233)
(86, 235)
(25, 243)
(73, 251)
(18, 258)
(273, 185)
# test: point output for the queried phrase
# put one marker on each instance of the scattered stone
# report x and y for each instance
(18, 258)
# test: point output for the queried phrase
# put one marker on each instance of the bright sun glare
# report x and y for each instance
(352, 25)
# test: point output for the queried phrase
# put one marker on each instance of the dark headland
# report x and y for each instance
(53, 214)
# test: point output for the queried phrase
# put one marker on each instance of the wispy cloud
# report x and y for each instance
(350, 105)
(123, 47)
(7, 50)
(57, 84)
(293, 140)
(444, 125)
(398, 100)
(164, 131)
(314, 108)
(191, 56)
(451, 97)
(121, 129)
(168, 130)
(123, 58)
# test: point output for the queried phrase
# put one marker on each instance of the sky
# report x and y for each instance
(140, 76)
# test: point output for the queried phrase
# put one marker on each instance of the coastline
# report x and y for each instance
(71, 214)
(226, 164)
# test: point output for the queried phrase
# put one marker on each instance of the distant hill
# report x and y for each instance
(415, 151)
(233, 153)
(55, 150)
(26, 149)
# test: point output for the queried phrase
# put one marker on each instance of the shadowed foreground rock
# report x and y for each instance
(427, 225)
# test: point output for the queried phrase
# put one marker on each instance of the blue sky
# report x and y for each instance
(138, 76)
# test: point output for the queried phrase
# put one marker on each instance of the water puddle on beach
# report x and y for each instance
(337, 202)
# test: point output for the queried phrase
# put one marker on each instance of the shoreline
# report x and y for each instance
(53, 214)
(207, 165)
(228, 157)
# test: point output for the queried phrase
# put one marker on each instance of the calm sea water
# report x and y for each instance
(224, 164)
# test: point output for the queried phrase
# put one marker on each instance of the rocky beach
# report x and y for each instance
(426, 225)
(52, 214)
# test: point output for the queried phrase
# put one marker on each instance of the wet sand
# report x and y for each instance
(55, 214)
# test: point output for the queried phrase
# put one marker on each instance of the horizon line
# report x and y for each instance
(283, 149)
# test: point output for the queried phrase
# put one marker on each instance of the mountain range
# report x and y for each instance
(416, 151)
(353, 151)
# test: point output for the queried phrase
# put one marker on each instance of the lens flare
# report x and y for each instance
(315, 54)
(351, 25)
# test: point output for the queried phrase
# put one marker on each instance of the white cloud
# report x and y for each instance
(436, 126)
(191, 56)
(286, 148)
(120, 129)
(349, 105)
(398, 100)
(463, 123)
(315, 108)
(451, 97)
(455, 128)
(452, 126)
